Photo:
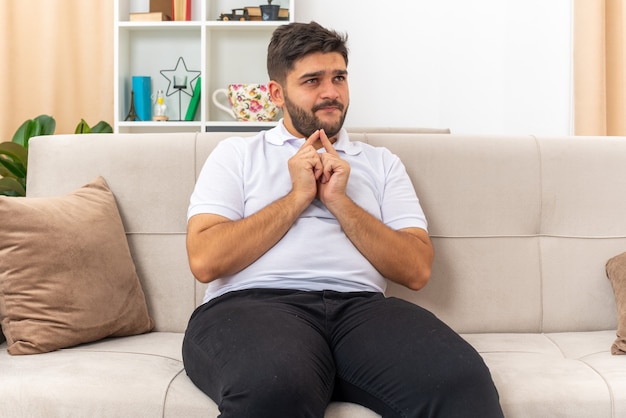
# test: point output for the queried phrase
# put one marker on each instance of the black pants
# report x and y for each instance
(277, 353)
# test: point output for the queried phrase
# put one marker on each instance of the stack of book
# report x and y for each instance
(149, 17)
(162, 10)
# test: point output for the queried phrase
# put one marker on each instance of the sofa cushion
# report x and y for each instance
(68, 276)
(616, 272)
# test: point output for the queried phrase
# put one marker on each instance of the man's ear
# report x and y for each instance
(276, 93)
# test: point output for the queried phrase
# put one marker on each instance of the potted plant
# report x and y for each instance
(269, 11)
(14, 154)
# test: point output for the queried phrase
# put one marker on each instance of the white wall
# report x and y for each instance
(480, 66)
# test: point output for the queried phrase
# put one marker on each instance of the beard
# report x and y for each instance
(306, 122)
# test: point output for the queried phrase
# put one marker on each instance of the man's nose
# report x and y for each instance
(329, 90)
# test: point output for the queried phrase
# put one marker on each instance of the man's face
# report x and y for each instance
(315, 95)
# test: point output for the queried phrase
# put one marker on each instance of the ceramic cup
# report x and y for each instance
(248, 102)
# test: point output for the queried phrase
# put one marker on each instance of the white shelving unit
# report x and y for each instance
(224, 53)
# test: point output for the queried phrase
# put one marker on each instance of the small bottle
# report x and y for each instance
(160, 108)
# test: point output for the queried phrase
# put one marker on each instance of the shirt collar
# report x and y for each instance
(279, 135)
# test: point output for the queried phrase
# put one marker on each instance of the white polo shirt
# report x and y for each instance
(243, 175)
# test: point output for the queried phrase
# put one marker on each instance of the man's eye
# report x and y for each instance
(311, 81)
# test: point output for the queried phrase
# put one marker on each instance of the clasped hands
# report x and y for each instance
(324, 175)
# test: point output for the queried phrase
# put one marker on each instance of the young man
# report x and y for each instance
(296, 230)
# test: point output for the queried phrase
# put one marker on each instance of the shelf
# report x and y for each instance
(154, 127)
(224, 53)
(164, 124)
(182, 126)
(165, 26)
(216, 25)
(219, 25)
(238, 126)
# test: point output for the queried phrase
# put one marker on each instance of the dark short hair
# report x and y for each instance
(294, 41)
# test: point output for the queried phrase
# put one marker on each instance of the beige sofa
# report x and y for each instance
(522, 227)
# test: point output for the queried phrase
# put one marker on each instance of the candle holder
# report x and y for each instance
(180, 84)
(179, 79)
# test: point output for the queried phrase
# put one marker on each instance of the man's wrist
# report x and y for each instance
(339, 204)
(298, 200)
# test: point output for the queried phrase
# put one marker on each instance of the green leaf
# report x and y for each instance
(102, 127)
(82, 128)
(48, 124)
(16, 152)
(24, 132)
(16, 170)
(11, 187)
(4, 172)
(13, 160)
(41, 125)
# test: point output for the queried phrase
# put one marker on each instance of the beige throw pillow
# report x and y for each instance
(67, 275)
(616, 272)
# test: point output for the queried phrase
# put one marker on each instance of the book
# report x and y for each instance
(142, 90)
(253, 11)
(181, 10)
(193, 103)
(149, 17)
(163, 6)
